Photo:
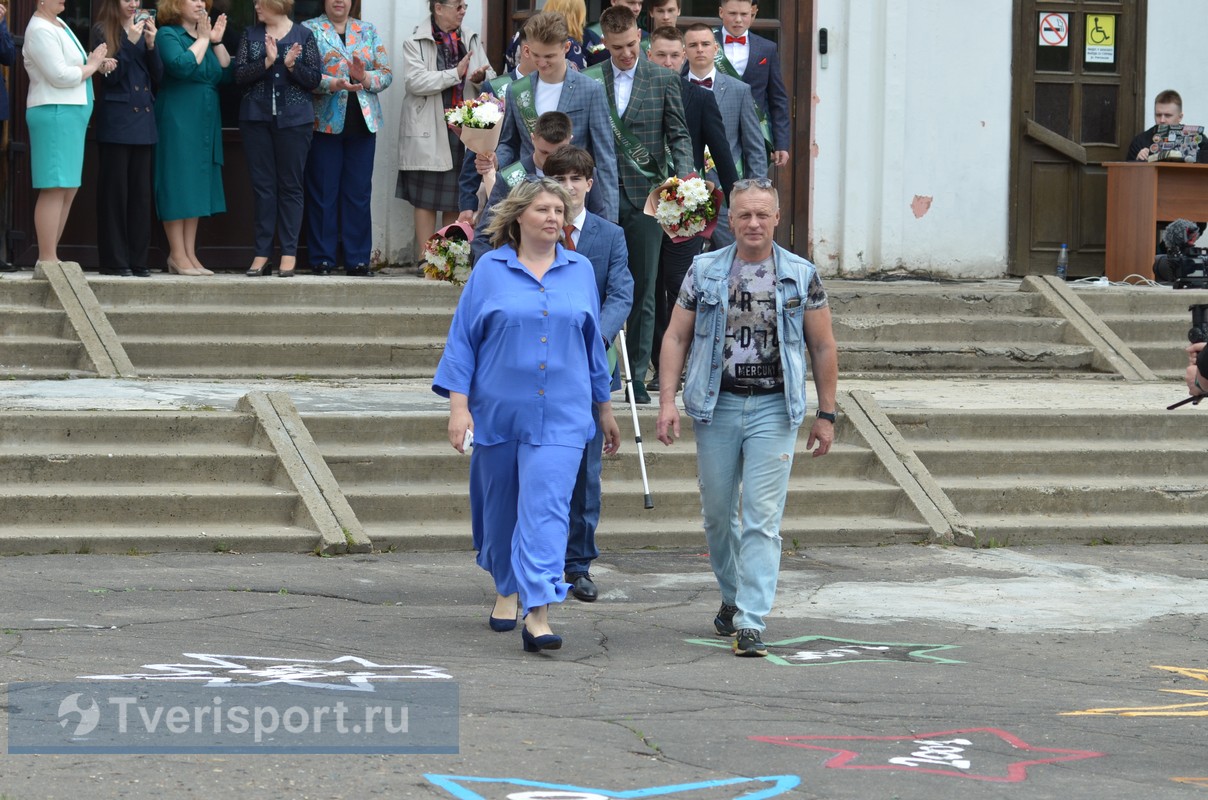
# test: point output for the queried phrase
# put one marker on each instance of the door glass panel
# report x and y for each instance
(1053, 106)
(1052, 59)
(1099, 108)
(769, 10)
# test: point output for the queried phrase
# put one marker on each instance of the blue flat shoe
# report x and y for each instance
(533, 644)
(501, 625)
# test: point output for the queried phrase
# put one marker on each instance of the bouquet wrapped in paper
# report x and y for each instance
(685, 208)
(478, 122)
(447, 254)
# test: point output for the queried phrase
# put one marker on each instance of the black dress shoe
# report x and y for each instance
(640, 395)
(360, 270)
(121, 273)
(141, 273)
(7, 267)
(582, 587)
(322, 268)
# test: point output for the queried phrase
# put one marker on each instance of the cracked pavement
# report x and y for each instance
(1085, 665)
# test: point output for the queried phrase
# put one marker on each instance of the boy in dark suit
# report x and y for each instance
(755, 60)
(603, 244)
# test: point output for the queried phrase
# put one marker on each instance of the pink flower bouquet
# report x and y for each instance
(685, 208)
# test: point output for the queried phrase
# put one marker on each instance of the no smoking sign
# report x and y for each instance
(1054, 29)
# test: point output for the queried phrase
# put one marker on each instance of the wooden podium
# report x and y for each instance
(1139, 196)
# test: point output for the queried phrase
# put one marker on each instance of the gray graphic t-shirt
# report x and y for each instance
(752, 347)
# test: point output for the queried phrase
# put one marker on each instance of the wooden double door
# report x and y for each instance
(1077, 102)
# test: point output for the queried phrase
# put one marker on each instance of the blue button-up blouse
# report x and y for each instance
(527, 353)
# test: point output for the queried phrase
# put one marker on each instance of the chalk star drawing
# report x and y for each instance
(831, 650)
(1175, 710)
(217, 670)
(934, 754)
(518, 789)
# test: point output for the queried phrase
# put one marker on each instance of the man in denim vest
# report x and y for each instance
(750, 313)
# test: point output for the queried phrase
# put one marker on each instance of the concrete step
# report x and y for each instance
(643, 533)
(1140, 301)
(1063, 528)
(33, 322)
(931, 358)
(1004, 331)
(25, 356)
(131, 539)
(1050, 459)
(97, 431)
(285, 357)
(1051, 424)
(236, 291)
(144, 467)
(676, 498)
(89, 504)
(943, 301)
(352, 325)
(1085, 494)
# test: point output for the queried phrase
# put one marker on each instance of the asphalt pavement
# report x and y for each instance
(895, 672)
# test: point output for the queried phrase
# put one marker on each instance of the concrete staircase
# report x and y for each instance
(1046, 476)
(249, 328)
(37, 340)
(918, 328)
(410, 489)
(140, 481)
(1152, 321)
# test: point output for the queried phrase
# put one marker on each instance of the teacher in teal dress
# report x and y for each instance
(188, 160)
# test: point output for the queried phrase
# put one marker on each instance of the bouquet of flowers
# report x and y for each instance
(477, 122)
(685, 208)
(710, 164)
(447, 254)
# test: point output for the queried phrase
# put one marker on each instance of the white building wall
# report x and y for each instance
(911, 131)
(912, 137)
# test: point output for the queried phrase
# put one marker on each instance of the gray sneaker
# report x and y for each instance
(748, 643)
(723, 623)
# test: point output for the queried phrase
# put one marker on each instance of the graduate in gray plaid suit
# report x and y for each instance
(648, 102)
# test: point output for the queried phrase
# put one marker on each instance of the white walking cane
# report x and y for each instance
(633, 409)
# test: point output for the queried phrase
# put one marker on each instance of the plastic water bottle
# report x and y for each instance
(1063, 262)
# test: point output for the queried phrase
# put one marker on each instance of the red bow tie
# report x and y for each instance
(735, 39)
(705, 82)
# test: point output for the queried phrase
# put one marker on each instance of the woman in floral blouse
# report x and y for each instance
(348, 115)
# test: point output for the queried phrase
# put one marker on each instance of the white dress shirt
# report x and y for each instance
(622, 84)
(711, 77)
(738, 54)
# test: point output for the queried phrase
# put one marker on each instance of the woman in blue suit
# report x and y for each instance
(124, 125)
(522, 365)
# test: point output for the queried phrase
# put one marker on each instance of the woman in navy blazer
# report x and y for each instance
(124, 124)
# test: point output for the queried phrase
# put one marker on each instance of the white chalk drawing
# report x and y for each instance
(346, 673)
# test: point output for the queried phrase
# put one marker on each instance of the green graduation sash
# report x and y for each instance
(522, 96)
(765, 127)
(499, 86)
(629, 144)
(513, 174)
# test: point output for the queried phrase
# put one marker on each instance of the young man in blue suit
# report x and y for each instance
(755, 60)
(603, 243)
(737, 112)
(556, 87)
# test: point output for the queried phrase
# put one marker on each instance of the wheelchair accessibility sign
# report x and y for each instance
(1100, 39)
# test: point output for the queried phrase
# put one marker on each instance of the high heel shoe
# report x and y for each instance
(501, 625)
(267, 269)
(534, 644)
(176, 269)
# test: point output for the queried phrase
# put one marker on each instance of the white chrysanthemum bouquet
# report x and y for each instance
(447, 254)
(685, 208)
(477, 122)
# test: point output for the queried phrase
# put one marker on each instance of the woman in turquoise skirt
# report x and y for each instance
(188, 159)
(57, 110)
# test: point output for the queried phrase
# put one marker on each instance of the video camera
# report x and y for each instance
(1184, 265)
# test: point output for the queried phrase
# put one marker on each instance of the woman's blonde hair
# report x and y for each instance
(283, 7)
(169, 11)
(574, 12)
(504, 227)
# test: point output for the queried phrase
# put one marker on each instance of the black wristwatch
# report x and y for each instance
(829, 416)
